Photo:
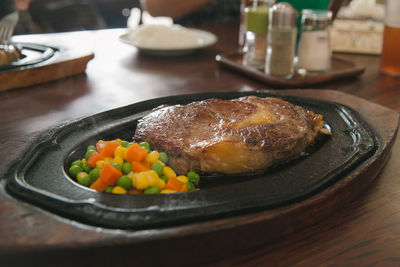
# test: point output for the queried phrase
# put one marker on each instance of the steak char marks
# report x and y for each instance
(243, 135)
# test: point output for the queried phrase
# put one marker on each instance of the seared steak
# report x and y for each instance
(242, 135)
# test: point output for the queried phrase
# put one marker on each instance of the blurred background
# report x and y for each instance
(44, 16)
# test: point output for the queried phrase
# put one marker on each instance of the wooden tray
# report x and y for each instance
(340, 69)
(53, 238)
(42, 64)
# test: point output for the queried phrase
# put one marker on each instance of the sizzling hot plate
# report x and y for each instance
(32, 54)
(41, 176)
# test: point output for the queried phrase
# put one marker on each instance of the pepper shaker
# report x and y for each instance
(282, 31)
(314, 52)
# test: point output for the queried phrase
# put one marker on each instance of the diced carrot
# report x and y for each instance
(109, 148)
(100, 145)
(184, 189)
(174, 184)
(135, 153)
(109, 174)
(94, 157)
(99, 185)
(140, 166)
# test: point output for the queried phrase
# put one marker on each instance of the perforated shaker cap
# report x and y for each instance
(282, 15)
(316, 19)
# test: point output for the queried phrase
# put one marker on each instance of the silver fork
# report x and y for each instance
(7, 25)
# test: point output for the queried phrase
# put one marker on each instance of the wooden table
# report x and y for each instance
(365, 232)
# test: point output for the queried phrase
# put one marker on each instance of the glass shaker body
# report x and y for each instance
(244, 5)
(281, 47)
(314, 51)
(256, 24)
(390, 58)
(242, 26)
(281, 51)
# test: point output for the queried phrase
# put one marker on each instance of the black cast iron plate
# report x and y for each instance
(32, 54)
(40, 177)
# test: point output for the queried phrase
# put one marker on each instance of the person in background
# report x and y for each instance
(56, 16)
(22, 5)
(195, 12)
(25, 23)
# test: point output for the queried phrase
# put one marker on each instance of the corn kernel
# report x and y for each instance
(152, 176)
(118, 140)
(140, 181)
(152, 157)
(81, 175)
(83, 160)
(120, 151)
(167, 191)
(161, 184)
(168, 172)
(183, 179)
(119, 160)
(118, 190)
(100, 164)
(108, 160)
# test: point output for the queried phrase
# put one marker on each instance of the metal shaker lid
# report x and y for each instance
(283, 14)
(315, 19)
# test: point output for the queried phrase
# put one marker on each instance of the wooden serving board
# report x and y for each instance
(52, 237)
(62, 62)
(340, 69)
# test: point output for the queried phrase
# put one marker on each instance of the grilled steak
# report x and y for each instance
(242, 135)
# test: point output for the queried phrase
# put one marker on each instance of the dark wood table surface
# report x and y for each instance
(365, 232)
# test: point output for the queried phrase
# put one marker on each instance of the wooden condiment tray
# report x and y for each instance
(340, 69)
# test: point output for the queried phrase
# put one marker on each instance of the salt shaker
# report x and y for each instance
(314, 51)
(282, 31)
(256, 24)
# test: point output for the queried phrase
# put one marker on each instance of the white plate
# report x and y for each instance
(205, 39)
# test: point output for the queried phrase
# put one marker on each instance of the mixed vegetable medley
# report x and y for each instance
(120, 167)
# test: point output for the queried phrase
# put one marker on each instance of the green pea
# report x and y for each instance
(162, 156)
(85, 181)
(74, 170)
(94, 174)
(91, 148)
(127, 167)
(158, 168)
(152, 190)
(146, 146)
(86, 168)
(190, 186)
(77, 162)
(193, 177)
(108, 189)
(164, 178)
(88, 153)
(125, 182)
(118, 166)
(124, 143)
